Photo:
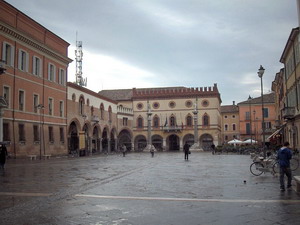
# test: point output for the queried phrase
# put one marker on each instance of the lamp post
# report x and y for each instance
(260, 73)
(40, 107)
(195, 112)
(249, 100)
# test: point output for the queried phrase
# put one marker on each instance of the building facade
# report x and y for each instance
(287, 87)
(230, 122)
(171, 112)
(33, 85)
(251, 114)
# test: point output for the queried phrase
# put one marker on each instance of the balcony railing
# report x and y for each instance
(288, 112)
(172, 129)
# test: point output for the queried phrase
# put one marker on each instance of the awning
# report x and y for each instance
(274, 134)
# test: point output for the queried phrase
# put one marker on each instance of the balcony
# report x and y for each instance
(172, 129)
(288, 113)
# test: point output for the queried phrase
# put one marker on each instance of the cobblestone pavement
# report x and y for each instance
(138, 189)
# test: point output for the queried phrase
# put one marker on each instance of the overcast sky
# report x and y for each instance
(163, 43)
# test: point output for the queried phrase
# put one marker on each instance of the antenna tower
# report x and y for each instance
(78, 55)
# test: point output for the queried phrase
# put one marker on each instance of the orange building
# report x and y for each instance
(250, 114)
(34, 85)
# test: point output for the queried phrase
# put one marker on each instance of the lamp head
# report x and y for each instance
(261, 71)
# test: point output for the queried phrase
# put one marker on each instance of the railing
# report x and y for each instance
(172, 129)
(122, 109)
(288, 112)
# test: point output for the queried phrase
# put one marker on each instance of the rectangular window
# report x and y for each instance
(51, 135)
(6, 133)
(62, 77)
(247, 115)
(36, 133)
(35, 103)
(247, 128)
(50, 106)
(266, 112)
(233, 127)
(8, 54)
(226, 127)
(21, 100)
(51, 72)
(21, 133)
(36, 66)
(61, 108)
(61, 135)
(6, 94)
(23, 60)
(125, 121)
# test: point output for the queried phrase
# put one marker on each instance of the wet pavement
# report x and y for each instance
(138, 189)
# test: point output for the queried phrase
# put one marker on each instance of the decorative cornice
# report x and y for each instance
(34, 44)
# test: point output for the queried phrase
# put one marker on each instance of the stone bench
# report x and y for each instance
(297, 180)
(32, 157)
(47, 156)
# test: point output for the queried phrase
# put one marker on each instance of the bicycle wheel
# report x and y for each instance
(276, 167)
(294, 164)
(256, 168)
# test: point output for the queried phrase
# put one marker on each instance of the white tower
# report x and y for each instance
(78, 54)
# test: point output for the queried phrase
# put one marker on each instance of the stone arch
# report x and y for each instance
(96, 138)
(206, 140)
(157, 142)
(113, 139)
(140, 143)
(189, 138)
(73, 136)
(105, 136)
(173, 142)
(125, 137)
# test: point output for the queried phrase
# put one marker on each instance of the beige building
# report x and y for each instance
(172, 111)
(230, 122)
(92, 121)
(287, 88)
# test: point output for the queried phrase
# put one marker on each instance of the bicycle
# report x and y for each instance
(261, 165)
(271, 164)
(294, 165)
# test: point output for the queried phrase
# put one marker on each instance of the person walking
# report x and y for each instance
(186, 149)
(152, 151)
(3, 155)
(213, 148)
(124, 149)
(284, 155)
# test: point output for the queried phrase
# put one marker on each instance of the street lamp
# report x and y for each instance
(260, 73)
(40, 107)
(249, 100)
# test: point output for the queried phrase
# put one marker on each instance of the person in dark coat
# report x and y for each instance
(284, 155)
(3, 155)
(124, 149)
(186, 149)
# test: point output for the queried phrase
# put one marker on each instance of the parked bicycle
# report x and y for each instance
(270, 164)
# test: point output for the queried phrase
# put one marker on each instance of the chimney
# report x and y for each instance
(233, 102)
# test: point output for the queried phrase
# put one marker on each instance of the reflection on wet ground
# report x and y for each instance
(138, 189)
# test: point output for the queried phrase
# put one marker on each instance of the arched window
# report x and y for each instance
(140, 122)
(156, 121)
(81, 105)
(205, 120)
(102, 111)
(233, 126)
(92, 110)
(189, 121)
(109, 114)
(226, 127)
(73, 97)
(172, 121)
